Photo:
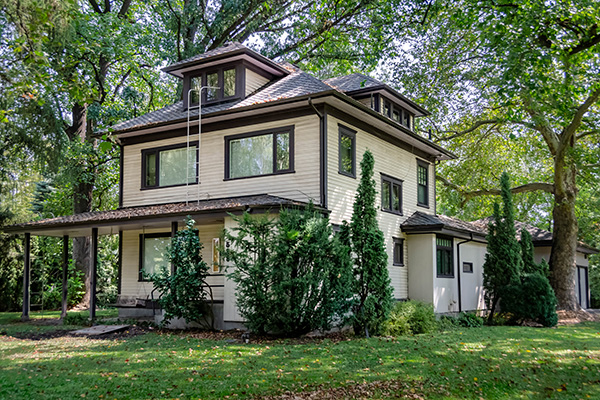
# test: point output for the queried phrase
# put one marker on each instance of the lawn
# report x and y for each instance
(489, 363)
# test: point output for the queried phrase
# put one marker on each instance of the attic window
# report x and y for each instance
(397, 113)
(224, 79)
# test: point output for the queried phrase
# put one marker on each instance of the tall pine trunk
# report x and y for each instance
(564, 243)
(82, 201)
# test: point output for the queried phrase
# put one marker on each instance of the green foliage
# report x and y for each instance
(182, 294)
(11, 268)
(78, 319)
(371, 287)
(469, 320)
(503, 263)
(410, 318)
(293, 274)
(531, 299)
(52, 294)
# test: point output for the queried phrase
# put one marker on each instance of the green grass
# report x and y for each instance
(10, 322)
(489, 362)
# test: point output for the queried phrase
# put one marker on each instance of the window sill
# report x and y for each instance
(398, 265)
(347, 174)
(423, 205)
(260, 176)
(446, 276)
(169, 186)
(400, 214)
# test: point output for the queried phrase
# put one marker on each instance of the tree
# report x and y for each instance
(524, 69)
(183, 292)
(503, 262)
(371, 285)
(293, 275)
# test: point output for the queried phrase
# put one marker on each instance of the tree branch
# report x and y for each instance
(588, 133)
(569, 131)
(470, 194)
(95, 6)
(468, 130)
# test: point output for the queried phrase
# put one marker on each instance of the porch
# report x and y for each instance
(143, 234)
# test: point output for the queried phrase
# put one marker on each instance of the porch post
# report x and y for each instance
(26, 277)
(65, 281)
(174, 228)
(93, 273)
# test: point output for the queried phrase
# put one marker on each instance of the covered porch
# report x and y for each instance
(136, 227)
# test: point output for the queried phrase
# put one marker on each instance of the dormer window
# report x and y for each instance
(225, 79)
(397, 113)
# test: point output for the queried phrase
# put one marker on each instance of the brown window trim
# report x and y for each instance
(157, 151)
(401, 243)
(425, 165)
(446, 248)
(402, 112)
(239, 83)
(393, 181)
(285, 129)
(469, 270)
(351, 133)
(142, 237)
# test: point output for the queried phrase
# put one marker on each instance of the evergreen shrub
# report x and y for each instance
(469, 320)
(532, 299)
(410, 318)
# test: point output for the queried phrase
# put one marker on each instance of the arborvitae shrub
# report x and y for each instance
(532, 299)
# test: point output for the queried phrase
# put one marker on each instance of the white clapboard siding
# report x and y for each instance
(301, 185)
(132, 287)
(254, 81)
(390, 160)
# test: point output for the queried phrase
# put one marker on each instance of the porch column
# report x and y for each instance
(174, 228)
(65, 281)
(26, 277)
(120, 265)
(93, 273)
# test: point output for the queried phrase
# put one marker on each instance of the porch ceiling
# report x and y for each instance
(131, 218)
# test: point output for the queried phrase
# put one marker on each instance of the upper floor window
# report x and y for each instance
(397, 113)
(169, 166)
(221, 85)
(153, 253)
(445, 260)
(259, 153)
(422, 184)
(347, 151)
(391, 194)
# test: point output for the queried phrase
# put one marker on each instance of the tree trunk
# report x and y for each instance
(564, 243)
(82, 202)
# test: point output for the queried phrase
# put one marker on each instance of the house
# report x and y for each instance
(251, 134)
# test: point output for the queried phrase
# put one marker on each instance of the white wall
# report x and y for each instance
(390, 160)
(445, 290)
(130, 284)
(301, 185)
(472, 283)
(421, 264)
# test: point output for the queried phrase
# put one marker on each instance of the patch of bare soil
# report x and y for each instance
(129, 332)
(392, 388)
(575, 317)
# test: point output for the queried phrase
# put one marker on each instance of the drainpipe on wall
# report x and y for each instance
(322, 154)
(460, 270)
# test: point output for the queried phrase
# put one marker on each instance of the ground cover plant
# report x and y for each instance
(498, 362)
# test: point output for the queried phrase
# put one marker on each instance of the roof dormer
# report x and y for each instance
(234, 69)
(380, 97)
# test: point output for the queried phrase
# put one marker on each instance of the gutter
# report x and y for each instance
(322, 154)
(459, 270)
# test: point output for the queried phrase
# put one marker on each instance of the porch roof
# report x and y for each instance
(111, 221)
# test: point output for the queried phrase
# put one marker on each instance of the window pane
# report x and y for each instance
(422, 193)
(405, 118)
(396, 116)
(196, 84)
(173, 167)
(151, 169)
(387, 108)
(385, 195)
(346, 154)
(155, 254)
(422, 175)
(212, 80)
(398, 253)
(251, 156)
(229, 82)
(283, 151)
(396, 198)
